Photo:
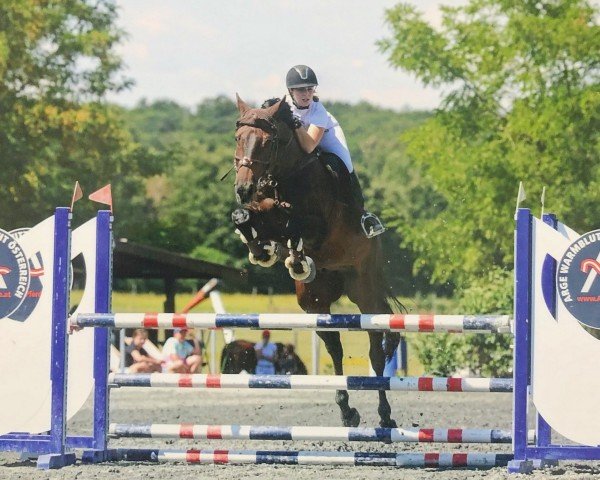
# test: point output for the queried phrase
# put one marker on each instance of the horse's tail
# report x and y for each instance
(383, 284)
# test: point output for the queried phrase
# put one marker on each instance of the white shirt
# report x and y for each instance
(174, 347)
(333, 140)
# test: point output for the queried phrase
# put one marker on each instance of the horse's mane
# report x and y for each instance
(284, 113)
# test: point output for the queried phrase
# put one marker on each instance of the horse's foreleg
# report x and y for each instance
(301, 267)
(350, 416)
(377, 357)
(263, 253)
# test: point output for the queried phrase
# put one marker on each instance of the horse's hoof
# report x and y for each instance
(308, 270)
(389, 423)
(312, 271)
(252, 259)
(301, 277)
(268, 255)
(268, 263)
(352, 419)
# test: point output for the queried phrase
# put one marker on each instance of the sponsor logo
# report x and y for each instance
(36, 270)
(14, 274)
(578, 279)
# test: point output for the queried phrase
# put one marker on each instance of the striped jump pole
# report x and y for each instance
(314, 433)
(312, 382)
(383, 459)
(274, 321)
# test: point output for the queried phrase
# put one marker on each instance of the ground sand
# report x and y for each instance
(294, 407)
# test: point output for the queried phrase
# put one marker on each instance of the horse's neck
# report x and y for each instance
(290, 157)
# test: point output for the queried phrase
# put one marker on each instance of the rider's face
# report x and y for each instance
(303, 96)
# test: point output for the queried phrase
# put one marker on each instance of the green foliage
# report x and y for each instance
(57, 61)
(439, 353)
(524, 105)
(488, 355)
(484, 355)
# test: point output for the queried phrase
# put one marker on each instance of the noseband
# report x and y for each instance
(268, 127)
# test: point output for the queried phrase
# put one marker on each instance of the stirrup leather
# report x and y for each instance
(371, 225)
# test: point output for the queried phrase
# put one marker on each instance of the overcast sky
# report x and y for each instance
(189, 50)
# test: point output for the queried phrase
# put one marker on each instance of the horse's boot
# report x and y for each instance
(300, 266)
(369, 222)
(261, 253)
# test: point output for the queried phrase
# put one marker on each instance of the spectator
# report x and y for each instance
(137, 360)
(181, 356)
(265, 355)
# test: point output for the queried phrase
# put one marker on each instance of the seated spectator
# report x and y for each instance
(266, 353)
(290, 363)
(137, 359)
(181, 356)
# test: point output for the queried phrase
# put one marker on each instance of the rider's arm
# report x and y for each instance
(309, 139)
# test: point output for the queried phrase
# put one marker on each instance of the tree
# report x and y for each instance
(57, 62)
(523, 105)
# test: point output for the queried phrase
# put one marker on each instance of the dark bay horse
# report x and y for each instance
(292, 203)
(240, 355)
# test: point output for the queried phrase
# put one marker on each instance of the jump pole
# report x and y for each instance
(525, 455)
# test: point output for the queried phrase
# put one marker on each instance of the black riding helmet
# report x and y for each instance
(301, 76)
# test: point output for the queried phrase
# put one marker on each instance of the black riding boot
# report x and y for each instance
(371, 225)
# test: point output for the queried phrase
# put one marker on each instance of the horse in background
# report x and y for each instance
(240, 356)
(292, 202)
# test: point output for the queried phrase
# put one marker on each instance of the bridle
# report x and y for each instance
(269, 126)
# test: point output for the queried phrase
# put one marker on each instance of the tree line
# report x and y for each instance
(522, 104)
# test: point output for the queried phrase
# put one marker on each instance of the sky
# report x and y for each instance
(190, 50)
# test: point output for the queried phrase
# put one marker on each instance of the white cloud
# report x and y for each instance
(189, 50)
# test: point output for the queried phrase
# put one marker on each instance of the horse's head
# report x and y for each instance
(262, 140)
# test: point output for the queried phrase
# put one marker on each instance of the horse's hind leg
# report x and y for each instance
(317, 297)
(368, 295)
(350, 416)
(377, 357)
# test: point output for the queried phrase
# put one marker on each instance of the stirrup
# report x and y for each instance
(375, 226)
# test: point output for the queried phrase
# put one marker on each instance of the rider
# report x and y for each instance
(320, 128)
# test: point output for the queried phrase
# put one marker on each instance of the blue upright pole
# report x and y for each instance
(59, 351)
(522, 358)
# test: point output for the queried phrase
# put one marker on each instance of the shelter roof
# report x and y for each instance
(134, 260)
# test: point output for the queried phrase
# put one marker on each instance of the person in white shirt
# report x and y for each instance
(321, 129)
(265, 355)
(179, 355)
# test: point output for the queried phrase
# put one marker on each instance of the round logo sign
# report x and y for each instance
(578, 279)
(36, 270)
(14, 274)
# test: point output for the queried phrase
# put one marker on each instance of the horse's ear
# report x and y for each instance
(242, 106)
(273, 109)
(283, 101)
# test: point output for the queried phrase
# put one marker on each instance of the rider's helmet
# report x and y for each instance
(301, 76)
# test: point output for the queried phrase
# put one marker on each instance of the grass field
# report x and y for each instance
(355, 343)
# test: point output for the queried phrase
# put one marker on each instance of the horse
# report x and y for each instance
(291, 201)
(240, 355)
